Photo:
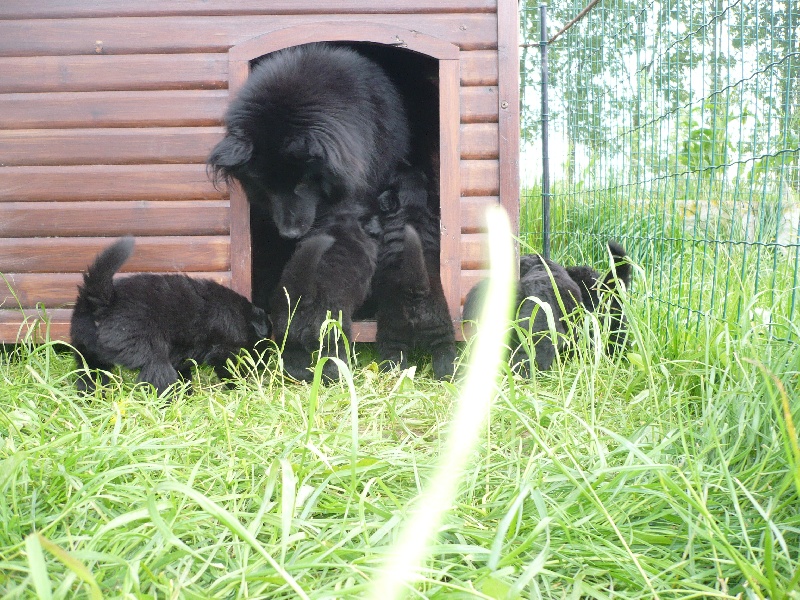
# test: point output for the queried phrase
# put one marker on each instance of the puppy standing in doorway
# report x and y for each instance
(411, 308)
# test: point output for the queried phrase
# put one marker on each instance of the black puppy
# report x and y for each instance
(563, 288)
(329, 272)
(602, 296)
(411, 309)
(314, 125)
(157, 323)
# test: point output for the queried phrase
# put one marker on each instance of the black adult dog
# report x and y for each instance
(411, 309)
(157, 323)
(317, 129)
(314, 125)
(329, 272)
(563, 289)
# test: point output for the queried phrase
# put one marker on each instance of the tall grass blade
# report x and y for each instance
(477, 391)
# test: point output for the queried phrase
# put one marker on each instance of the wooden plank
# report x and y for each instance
(107, 182)
(469, 279)
(479, 68)
(479, 104)
(361, 32)
(479, 141)
(53, 324)
(97, 72)
(16, 325)
(70, 255)
(449, 183)
(58, 290)
(62, 9)
(105, 218)
(107, 146)
(480, 178)
(474, 251)
(168, 35)
(241, 249)
(63, 110)
(473, 212)
(508, 85)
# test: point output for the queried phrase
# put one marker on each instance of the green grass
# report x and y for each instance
(672, 472)
(696, 264)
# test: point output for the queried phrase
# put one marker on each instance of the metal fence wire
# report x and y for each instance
(675, 129)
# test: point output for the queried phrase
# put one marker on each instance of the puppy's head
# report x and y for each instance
(260, 326)
(408, 190)
(588, 282)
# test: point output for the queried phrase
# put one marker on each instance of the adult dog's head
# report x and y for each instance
(312, 126)
(291, 180)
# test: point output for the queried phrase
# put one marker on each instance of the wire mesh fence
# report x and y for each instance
(675, 129)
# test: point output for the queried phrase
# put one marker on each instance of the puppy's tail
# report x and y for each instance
(622, 271)
(415, 273)
(98, 288)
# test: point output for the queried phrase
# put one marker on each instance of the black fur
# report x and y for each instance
(550, 283)
(576, 285)
(411, 309)
(314, 125)
(157, 323)
(329, 272)
(602, 295)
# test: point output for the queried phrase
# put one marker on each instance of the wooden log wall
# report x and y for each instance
(108, 110)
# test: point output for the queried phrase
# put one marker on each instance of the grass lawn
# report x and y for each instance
(670, 472)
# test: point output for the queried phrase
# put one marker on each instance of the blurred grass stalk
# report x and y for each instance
(472, 408)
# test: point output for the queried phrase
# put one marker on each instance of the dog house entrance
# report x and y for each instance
(425, 72)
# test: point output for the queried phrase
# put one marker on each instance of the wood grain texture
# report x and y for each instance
(107, 182)
(474, 251)
(66, 110)
(241, 249)
(480, 177)
(58, 290)
(117, 218)
(450, 184)
(24, 9)
(354, 31)
(72, 255)
(171, 108)
(508, 85)
(479, 104)
(112, 146)
(97, 72)
(479, 67)
(169, 35)
(34, 325)
(53, 324)
(469, 279)
(479, 141)
(473, 212)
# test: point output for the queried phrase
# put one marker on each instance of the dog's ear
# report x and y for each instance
(232, 151)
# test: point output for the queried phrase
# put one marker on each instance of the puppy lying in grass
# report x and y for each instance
(157, 323)
(563, 289)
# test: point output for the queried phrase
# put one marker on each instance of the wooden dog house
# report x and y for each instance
(109, 108)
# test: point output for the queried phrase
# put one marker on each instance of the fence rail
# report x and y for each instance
(674, 128)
